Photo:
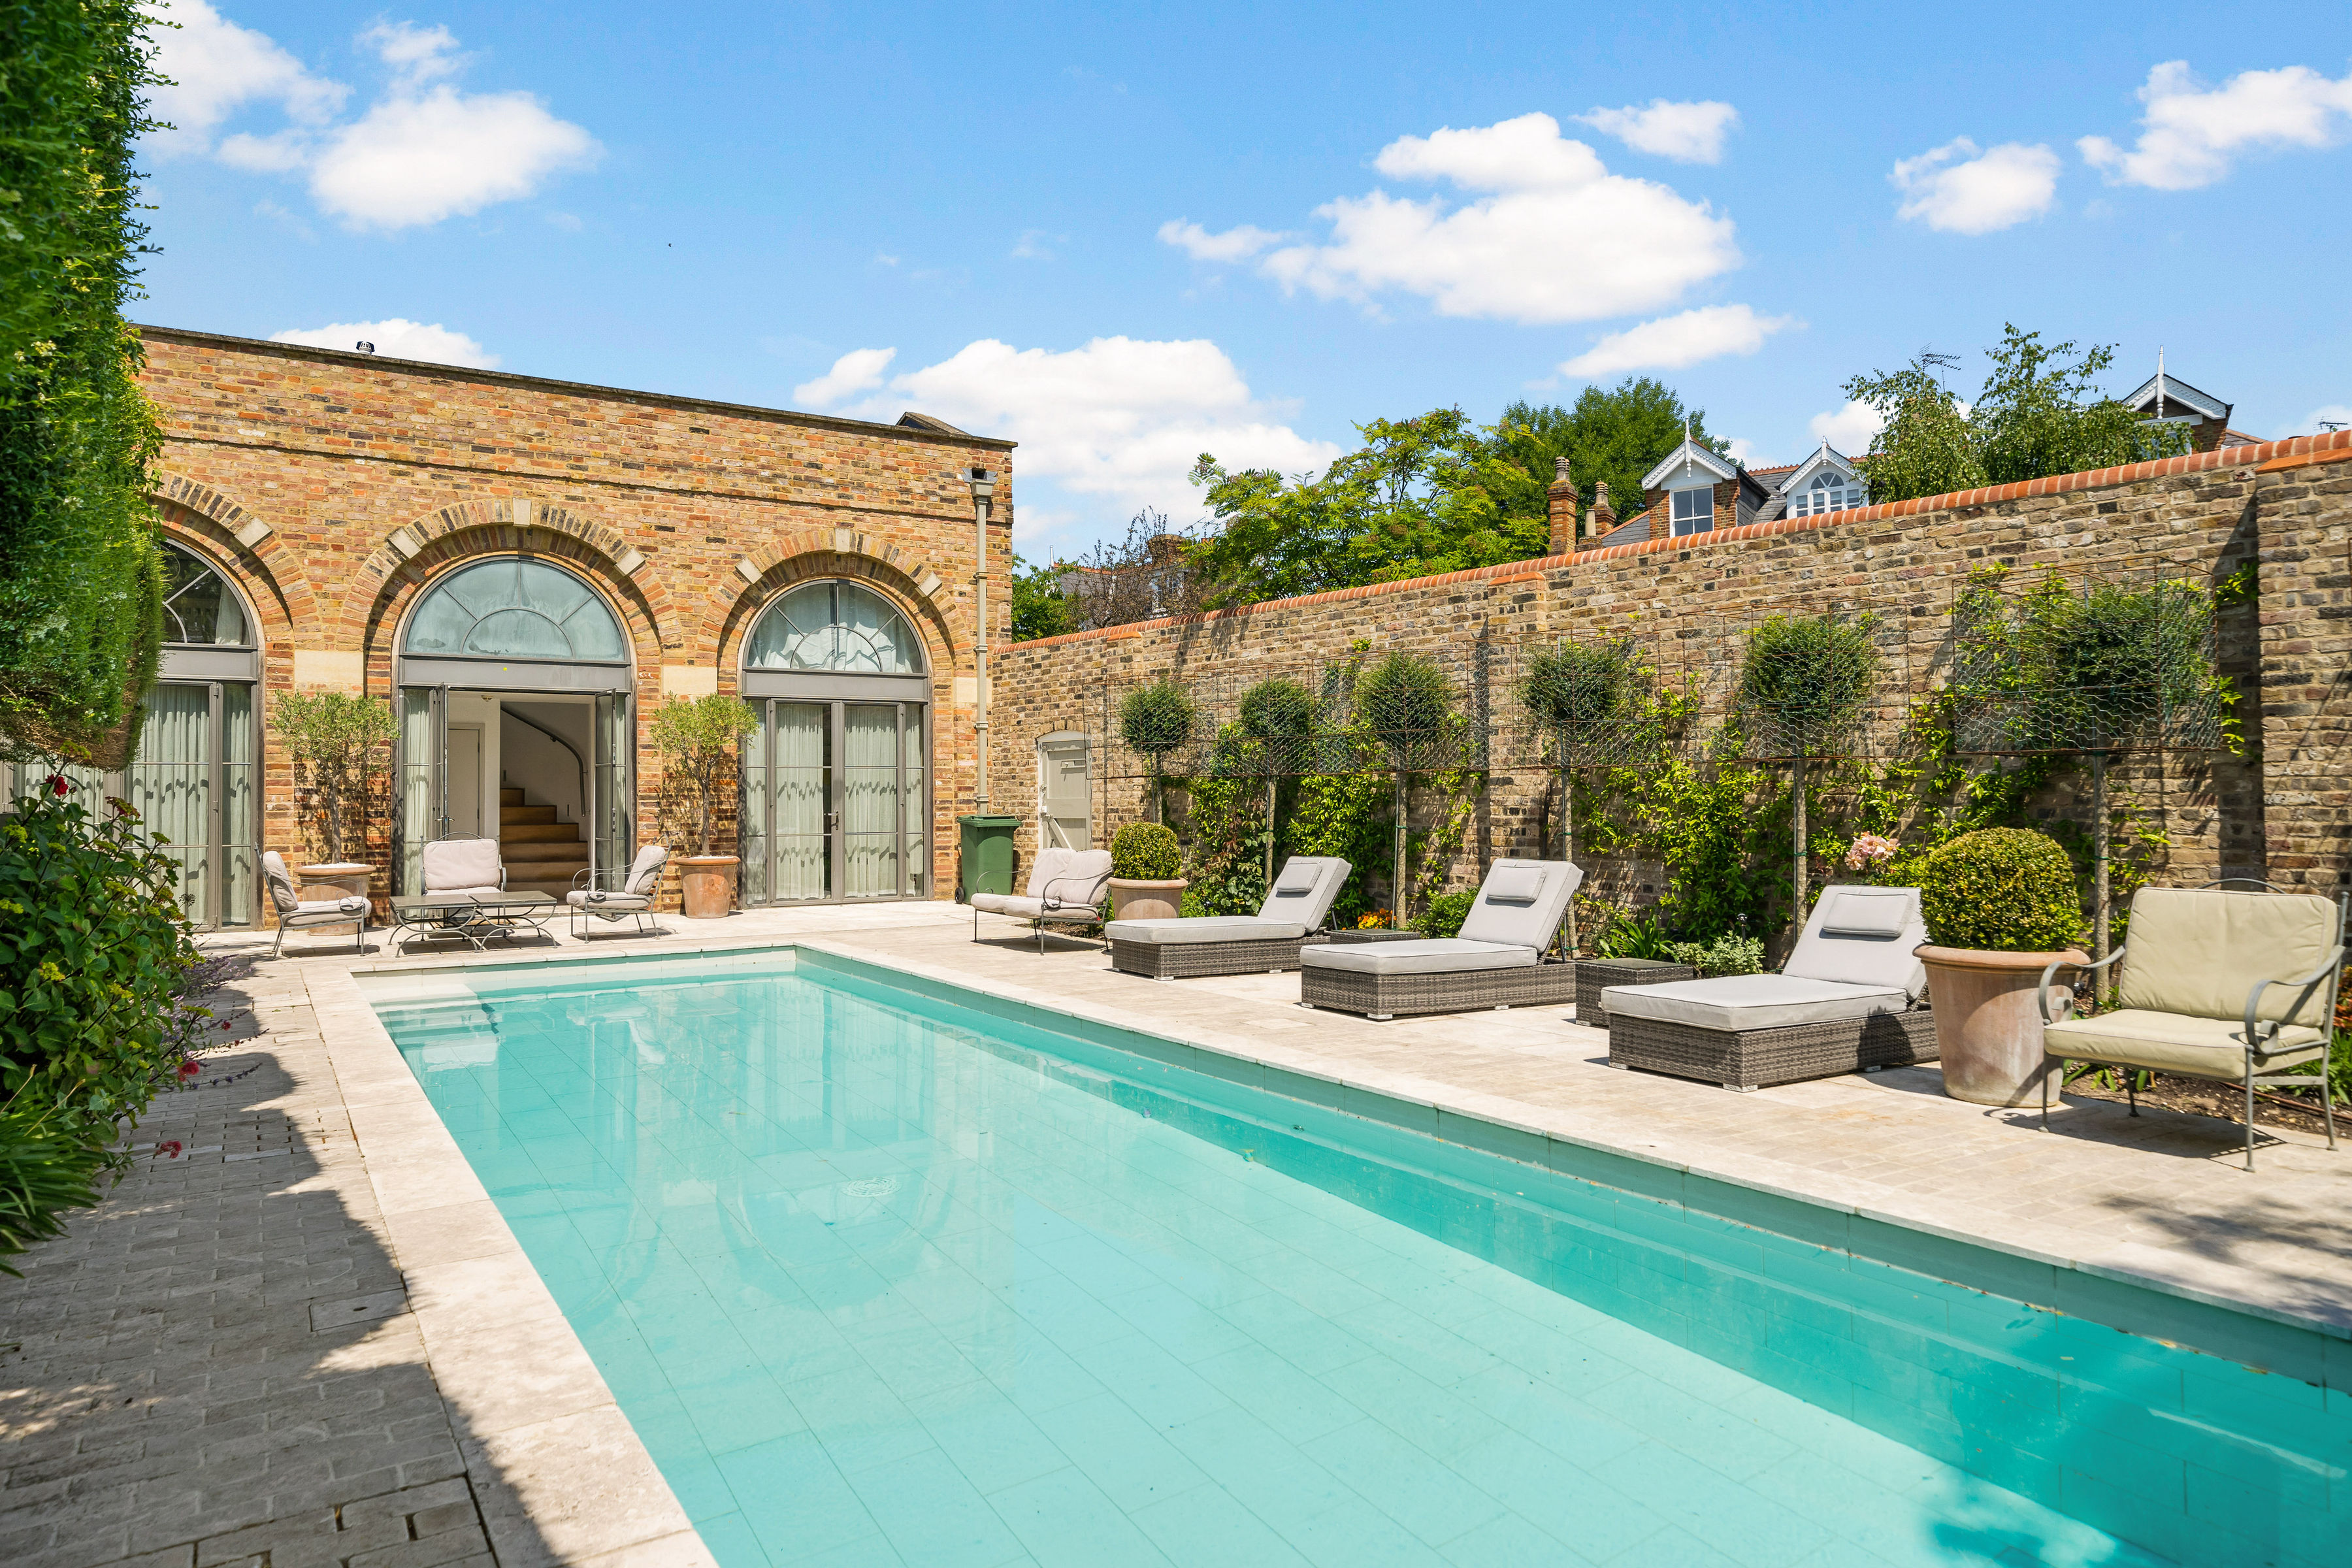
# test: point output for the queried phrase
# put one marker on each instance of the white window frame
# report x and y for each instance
(1697, 520)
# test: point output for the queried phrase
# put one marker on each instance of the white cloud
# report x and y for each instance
(1960, 190)
(422, 153)
(1686, 132)
(1740, 449)
(2318, 419)
(216, 68)
(1238, 244)
(2190, 133)
(1556, 238)
(1673, 342)
(859, 370)
(397, 337)
(1038, 245)
(1119, 418)
(1849, 429)
(418, 160)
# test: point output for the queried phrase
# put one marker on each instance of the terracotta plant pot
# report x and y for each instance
(1989, 1022)
(708, 883)
(337, 879)
(1138, 900)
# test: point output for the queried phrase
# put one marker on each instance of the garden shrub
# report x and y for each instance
(1728, 954)
(1444, 915)
(1154, 720)
(1806, 680)
(1404, 703)
(2002, 890)
(1145, 852)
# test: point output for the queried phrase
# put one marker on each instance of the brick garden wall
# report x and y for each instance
(2283, 811)
(332, 487)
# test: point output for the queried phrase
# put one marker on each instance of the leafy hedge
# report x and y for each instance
(2002, 890)
(93, 952)
(80, 575)
(1145, 852)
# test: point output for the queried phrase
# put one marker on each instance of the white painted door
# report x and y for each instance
(1065, 793)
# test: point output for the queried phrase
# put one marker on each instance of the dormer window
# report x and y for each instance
(1831, 490)
(1693, 511)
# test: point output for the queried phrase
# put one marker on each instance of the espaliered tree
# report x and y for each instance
(1277, 719)
(1154, 720)
(1403, 703)
(1587, 700)
(1805, 685)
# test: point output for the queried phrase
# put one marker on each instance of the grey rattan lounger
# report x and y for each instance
(1300, 899)
(1847, 1001)
(1496, 962)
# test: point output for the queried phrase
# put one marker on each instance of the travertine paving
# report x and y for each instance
(306, 1336)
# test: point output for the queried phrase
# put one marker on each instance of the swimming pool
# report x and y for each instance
(882, 1272)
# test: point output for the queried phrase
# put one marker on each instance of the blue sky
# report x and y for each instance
(1122, 235)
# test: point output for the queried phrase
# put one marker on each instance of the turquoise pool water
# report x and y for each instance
(880, 1279)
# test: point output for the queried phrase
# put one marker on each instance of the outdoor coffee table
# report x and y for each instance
(475, 917)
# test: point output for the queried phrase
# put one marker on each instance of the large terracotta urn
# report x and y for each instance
(335, 879)
(707, 882)
(1132, 899)
(1989, 1022)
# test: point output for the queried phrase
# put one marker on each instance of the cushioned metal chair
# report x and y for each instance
(623, 895)
(296, 912)
(2233, 987)
(463, 866)
(1266, 942)
(1496, 962)
(1846, 1001)
(1065, 888)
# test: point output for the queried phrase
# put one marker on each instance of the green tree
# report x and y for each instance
(333, 738)
(80, 576)
(2039, 412)
(1613, 435)
(1040, 607)
(699, 738)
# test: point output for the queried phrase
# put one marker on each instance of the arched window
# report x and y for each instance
(515, 607)
(834, 627)
(200, 609)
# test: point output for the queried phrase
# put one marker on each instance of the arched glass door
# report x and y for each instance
(518, 643)
(837, 800)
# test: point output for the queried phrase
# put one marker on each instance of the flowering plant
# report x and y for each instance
(1869, 852)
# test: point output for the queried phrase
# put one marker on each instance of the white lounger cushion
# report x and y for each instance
(596, 898)
(2179, 1042)
(461, 866)
(1739, 1002)
(1030, 909)
(316, 910)
(1305, 890)
(1521, 902)
(1436, 955)
(1205, 928)
(1862, 936)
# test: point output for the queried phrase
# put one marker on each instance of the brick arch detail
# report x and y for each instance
(413, 575)
(202, 512)
(733, 607)
(513, 521)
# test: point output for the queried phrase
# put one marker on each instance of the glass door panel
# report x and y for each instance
(613, 810)
(169, 785)
(870, 823)
(801, 782)
(752, 810)
(240, 809)
(418, 821)
(915, 800)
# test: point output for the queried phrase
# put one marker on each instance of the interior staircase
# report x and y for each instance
(541, 854)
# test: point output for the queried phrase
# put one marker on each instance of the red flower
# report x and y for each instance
(59, 784)
(189, 1068)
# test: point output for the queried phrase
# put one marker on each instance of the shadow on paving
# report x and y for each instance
(217, 1366)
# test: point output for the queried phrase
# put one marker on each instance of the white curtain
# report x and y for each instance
(170, 785)
(752, 814)
(802, 734)
(239, 814)
(870, 792)
(912, 805)
(419, 809)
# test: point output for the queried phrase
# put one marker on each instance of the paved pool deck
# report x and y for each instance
(304, 1334)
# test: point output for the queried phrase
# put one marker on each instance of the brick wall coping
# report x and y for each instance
(2268, 456)
(574, 388)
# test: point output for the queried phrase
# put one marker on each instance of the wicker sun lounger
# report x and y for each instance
(1302, 895)
(1847, 1001)
(1496, 962)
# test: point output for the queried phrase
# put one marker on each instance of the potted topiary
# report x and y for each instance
(332, 737)
(699, 738)
(1144, 886)
(2001, 906)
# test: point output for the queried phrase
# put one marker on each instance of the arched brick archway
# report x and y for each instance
(735, 607)
(244, 548)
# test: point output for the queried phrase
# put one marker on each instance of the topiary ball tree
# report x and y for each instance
(1805, 683)
(2002, 890)
(1156, 719)
(1404, 702)
(1585, 696)
(1145, 852)
(1278, 717)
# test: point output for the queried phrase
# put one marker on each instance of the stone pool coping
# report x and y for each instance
(2016, 1259)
